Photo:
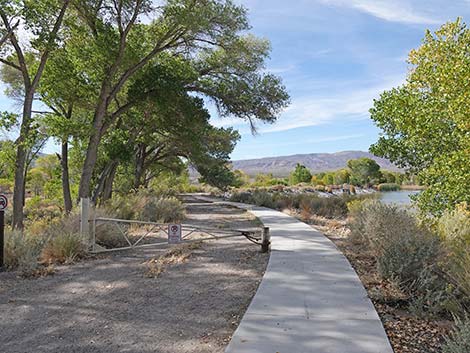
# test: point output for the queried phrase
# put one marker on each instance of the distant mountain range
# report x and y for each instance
(316, 162)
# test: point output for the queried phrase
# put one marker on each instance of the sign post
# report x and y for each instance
(174, 234)
(3, 206)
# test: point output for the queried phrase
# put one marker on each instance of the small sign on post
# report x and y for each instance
(3, 206)
(174, 234)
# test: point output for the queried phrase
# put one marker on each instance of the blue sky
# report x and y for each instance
(335, 57)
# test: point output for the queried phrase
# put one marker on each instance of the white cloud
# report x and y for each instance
(393, 11)
(351, 104)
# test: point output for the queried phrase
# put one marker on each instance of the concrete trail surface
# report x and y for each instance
(310, 298)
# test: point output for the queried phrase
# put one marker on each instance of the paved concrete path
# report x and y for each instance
(310, 298)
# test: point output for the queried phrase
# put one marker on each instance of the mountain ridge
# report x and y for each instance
(317, 162)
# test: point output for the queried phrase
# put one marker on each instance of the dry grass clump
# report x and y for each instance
(64, 248)
(459, 340)
(176, 255)
(147, 205)
(21, 251)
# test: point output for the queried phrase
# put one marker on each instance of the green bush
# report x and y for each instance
(388, 187)
(21, 251)
(64, 247)
(163, 210)
(459, 340)
(454, 229)
(146, 205)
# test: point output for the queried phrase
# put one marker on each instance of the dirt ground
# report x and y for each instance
(108, 304)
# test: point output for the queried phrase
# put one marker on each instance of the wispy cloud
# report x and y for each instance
(393, 11)
(352, 104)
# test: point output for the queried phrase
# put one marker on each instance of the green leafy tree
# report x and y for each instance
(364, 171)
(208, 39)
(300, 175)
(342, 176)
(42, 19)
(425, 122)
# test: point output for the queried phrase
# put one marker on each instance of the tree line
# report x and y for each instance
(124, 86)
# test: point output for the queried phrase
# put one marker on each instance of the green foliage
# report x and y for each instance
(364, 171)
(265, 180)
(330, 207)
(300, 175)
(454, 229)
(424, 122)
(407, 253)
(146, 205)
(388, 187)
(7, 159)
(459, 340)
(163, 210)
(22, 251)
(64, 247)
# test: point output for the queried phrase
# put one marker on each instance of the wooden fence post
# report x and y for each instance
(265, 240)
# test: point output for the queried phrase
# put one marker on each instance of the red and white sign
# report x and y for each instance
(3, 202)
(174, 234)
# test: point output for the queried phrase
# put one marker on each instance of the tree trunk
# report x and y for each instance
(20, 164)
(139, 166)
(64, 163)
(93, 143)
(108, 185)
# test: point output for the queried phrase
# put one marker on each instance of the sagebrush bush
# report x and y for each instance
(38, 208)
(146, 205)
(459, 339)
(21, 251)
(404, 255)
(454, 230)
(388, 187)
(163, 210)
(64, 247)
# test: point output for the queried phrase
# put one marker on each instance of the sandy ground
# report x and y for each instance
(107, 304)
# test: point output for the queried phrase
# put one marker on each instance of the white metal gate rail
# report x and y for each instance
(260, 237)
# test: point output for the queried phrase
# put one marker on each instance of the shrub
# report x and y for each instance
(21, 251)
(64, 247)
(39, 208)
(147, 205)
(162, 210)
(388, 187)
(459, 340)
(454, 228)
(263, 198)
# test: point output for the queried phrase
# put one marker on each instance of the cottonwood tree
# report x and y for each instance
(203, 31)
(42, 20)
(425, 122)
(364, 171)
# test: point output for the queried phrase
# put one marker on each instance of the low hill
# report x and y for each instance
(316, 162)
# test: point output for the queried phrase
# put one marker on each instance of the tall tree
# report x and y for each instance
(205, 31)
(425, 122)
(43, 20)
(300, 174)
(364, 171)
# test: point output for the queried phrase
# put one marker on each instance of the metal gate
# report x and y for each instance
(136, 234)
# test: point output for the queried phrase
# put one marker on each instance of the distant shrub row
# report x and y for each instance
(329, 207)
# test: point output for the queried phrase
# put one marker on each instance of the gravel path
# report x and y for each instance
(106, 304)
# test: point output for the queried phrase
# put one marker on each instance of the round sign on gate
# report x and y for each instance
(3, 202)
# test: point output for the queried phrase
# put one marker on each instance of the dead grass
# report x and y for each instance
(174, 256)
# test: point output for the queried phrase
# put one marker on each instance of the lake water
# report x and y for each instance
(398, 197)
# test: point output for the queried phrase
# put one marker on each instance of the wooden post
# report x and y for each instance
(265, 240)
